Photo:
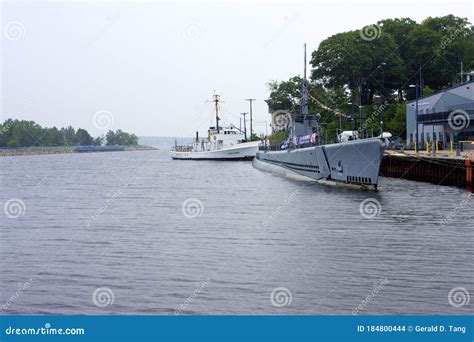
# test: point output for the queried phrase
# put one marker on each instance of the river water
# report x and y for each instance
(139, 233)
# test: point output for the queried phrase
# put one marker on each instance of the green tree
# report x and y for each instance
(453, 42)
(120, 138)
(53, 137)
(110, 138)
(16, 133)
(98, 141)
(365, 67)
(285, 95)
(69, 134)
(83, 137)
(388, 64)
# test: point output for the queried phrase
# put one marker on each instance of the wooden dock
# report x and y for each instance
(422, 167)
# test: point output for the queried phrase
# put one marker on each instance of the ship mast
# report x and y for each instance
(216, 99)
(304, 90)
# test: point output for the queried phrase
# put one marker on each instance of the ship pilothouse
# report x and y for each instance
(218, 139)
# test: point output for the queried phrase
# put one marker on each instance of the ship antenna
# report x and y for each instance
(305, 61)
(304, 91)
(216, 102)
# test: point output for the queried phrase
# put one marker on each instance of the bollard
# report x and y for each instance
(458, 150)
(451, 148)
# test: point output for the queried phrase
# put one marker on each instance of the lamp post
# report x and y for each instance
(416, 115)
(381, 126)
(416, 118)
(353, 117)
(361, 82)
(360, 110)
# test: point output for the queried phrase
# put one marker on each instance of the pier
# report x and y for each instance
(442, 169)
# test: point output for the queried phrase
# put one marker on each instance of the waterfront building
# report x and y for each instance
(445, 116)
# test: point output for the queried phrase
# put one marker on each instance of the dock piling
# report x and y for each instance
(435, 170)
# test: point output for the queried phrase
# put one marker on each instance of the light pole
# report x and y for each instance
(251, 128)
(381, 126)
(416, 118)
(353, 117)
(416, 115)
(360, 110)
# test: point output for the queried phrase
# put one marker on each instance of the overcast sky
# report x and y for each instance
(150, 67)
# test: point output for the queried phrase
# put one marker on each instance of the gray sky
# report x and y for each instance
(150, 67)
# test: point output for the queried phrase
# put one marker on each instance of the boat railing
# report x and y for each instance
(282, 147)
(183, 148)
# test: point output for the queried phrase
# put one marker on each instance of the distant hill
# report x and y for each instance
(163, 141)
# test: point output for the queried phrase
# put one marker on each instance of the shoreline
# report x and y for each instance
(33, 151)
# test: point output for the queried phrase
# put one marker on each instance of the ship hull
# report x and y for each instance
(243, 151)
(354, 163)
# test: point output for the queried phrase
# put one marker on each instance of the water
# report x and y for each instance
(105, 233)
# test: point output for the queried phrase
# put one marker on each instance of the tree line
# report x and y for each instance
(23, 133)
(379, 64)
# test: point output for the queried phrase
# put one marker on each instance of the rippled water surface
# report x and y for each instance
(138, 233)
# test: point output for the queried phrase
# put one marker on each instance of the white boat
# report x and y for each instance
(221, 143)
